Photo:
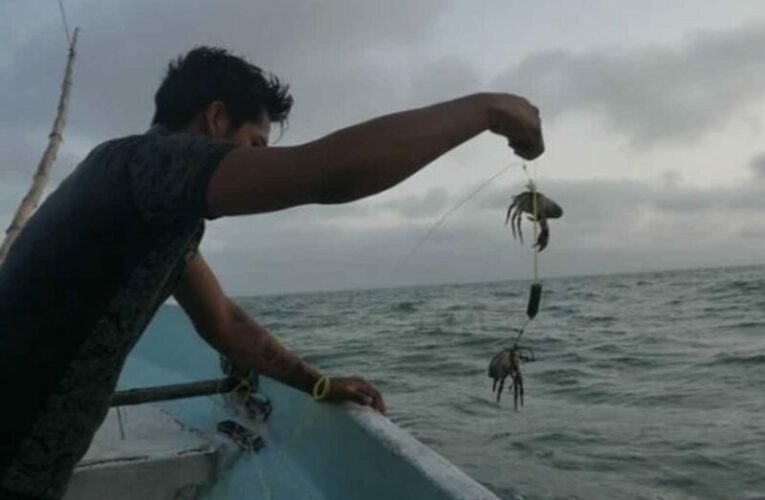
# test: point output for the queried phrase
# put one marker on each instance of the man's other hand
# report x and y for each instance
(357, 390)
(518, 120)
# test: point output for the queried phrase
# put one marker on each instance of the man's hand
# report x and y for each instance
(357, 390)
(518, 120)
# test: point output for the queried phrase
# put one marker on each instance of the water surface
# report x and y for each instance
(645, 386)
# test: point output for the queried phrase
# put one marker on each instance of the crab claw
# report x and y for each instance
(544, 237)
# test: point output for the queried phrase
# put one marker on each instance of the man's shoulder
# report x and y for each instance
(112, 150)
(157, 141)
(121, 150)
(121, 142)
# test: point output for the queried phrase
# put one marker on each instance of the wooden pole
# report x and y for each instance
(42, 174)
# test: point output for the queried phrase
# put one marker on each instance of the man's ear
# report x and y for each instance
(216, 120)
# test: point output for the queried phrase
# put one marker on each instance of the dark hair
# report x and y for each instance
(207, 74)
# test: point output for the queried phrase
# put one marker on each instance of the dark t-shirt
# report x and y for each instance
(78, 287)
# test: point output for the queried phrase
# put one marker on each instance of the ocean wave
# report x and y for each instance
(735, 287)
(648, 388)
(467, 307)
(587, 394)
(745, 325)
(625, 361)
(560, 438)
(506, 294)
(405, 307)
(598, 319)
(562, 376)
(737, 359)
(607, 348)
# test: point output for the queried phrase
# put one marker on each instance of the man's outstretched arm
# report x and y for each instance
(367, 158)
(233, 333)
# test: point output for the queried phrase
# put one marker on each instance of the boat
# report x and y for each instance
(246, 437)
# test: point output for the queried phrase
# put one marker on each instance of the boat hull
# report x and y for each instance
(310, 450)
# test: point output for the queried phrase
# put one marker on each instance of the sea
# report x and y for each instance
(644, 386)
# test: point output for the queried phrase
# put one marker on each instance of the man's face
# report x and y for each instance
(251, 134)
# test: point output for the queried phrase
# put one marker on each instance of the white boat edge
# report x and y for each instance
(455, 483)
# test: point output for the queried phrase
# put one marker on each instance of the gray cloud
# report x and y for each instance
(327, 49)
(609, 225)
(344, 60)
(21, 152)
(758, 164)
(651, 94)
(444, 79)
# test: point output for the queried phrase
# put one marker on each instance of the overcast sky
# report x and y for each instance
(654, 117)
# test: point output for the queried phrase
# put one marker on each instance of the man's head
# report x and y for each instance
(212, 92)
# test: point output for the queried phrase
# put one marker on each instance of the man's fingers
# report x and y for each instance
(525, 131)
(377, 400)
(359, 391)
(379, 405)
(353, 389)
(367, 395)
(360, 397)
(527, 150)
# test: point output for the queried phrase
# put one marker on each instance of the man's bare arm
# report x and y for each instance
(233, 333)
(367, 158)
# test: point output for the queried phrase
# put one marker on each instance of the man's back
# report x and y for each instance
(80, 284)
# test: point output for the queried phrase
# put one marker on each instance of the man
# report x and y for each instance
(120, 235)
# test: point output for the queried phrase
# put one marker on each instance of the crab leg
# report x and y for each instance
(515, 393)
(501, 386)
(520, 386)
(510, 211)
(517, 218)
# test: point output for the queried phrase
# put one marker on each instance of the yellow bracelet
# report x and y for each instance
(321, 388)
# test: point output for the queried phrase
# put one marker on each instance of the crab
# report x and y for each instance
(507, 363)
(545, 209)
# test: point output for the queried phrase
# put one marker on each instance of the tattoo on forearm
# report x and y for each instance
(238, 314)
(275, 359)
(269, 351)
(283, 364)
(280, 360)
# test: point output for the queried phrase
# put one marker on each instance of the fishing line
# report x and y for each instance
(535, 291)
(507, 362)
(453, 209)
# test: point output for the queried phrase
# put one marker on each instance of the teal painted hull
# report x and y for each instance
(311, 450)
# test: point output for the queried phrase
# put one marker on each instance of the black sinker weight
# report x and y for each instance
(535, 295)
